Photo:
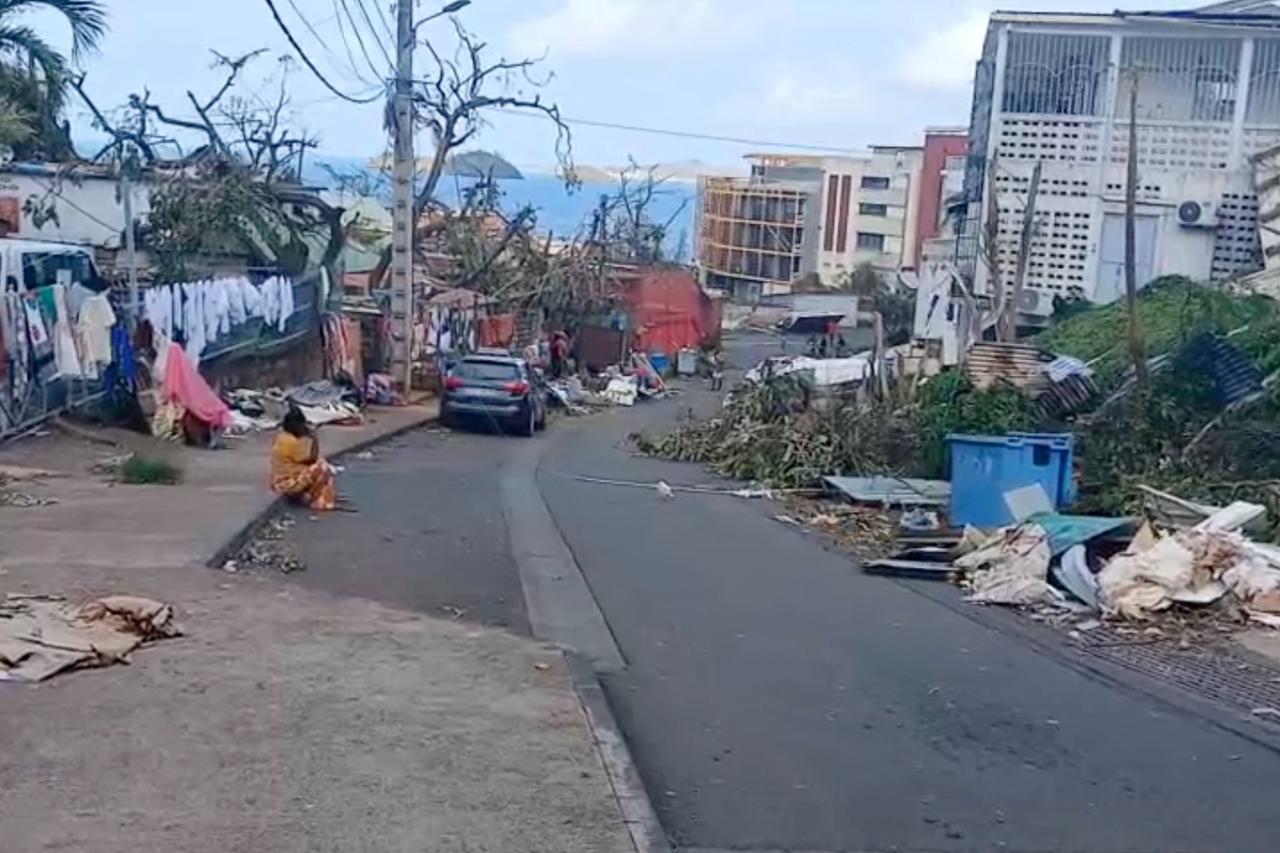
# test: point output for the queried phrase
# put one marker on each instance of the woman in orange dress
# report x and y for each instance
(297, 470)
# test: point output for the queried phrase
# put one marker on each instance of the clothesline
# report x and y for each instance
(202, 311)
(53, 332)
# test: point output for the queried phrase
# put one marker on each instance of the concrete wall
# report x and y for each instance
(938, 146)
(89, 208)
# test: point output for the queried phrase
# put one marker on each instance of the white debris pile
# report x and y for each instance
(1200, 566)
(1012, 567)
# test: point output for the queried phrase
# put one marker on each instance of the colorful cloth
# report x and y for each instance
(184, 384)
(294, 473)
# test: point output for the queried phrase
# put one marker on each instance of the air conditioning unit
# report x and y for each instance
(1198, 214)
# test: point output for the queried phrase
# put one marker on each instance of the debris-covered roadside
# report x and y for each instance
(267, 549)
(1175, 480)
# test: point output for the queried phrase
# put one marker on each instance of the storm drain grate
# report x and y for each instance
(1210, 669)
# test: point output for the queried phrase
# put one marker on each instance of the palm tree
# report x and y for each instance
(34, 76)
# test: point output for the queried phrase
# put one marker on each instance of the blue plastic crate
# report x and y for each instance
(984, 467)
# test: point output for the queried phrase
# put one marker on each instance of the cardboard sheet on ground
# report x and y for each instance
(40, 637)
(1012, 567)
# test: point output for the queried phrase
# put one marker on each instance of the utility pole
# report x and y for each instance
(403, 226)
(1009, 321)
(130, 250)
(1137, 351)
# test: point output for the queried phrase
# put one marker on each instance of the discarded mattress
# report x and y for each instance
(42, 636)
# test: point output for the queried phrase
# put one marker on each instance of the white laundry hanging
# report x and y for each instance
(65, 357)
(286, 303)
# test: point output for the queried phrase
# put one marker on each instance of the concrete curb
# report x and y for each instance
(260, 515)
(638, 815)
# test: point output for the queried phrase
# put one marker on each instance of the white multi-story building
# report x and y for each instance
(1055, 89)
(797, 215)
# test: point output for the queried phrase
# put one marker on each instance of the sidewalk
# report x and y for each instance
(287, 720)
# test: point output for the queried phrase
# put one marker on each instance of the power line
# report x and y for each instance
(346, 44)
(311, 28)
(355, 29)
(386, 25)
(685, 134)
(275, 13)
(364, 10)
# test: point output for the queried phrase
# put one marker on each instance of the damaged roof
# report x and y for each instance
(1252, 13)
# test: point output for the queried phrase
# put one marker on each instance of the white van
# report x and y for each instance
(30, 264)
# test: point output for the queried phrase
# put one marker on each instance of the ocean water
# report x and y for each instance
(560, 211)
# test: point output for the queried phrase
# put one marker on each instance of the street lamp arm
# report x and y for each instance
(449, 9)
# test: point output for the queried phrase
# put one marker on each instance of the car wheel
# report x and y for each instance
(528, 422)
(447, 419)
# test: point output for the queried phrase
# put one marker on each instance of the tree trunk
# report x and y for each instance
(1137, 351)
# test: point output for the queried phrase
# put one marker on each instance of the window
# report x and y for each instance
(871, 242)
(874, 182)
(487, 371)
(865, 209)
(41, 269)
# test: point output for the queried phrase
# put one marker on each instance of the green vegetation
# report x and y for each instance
(1172, 310)
(1173, 436)
(140, 470)
(34, 77)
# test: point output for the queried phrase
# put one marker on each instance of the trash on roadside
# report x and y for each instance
(23, 500)
(1073, 574)
(919, 520)
(920, 569)
(1198, 567)
(1175, 513)
(622, 391)
(1012, 568)
(892, 491)
(41, 636)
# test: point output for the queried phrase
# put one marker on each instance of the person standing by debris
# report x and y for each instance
(297, 470)
(559, 354)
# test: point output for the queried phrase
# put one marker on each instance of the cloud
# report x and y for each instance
(630, 27)
(943, 58)
(813, 95)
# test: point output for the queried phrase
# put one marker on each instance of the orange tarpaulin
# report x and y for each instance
(497, 330)
(670, 311)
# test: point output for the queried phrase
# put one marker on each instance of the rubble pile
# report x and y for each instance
(268, 550)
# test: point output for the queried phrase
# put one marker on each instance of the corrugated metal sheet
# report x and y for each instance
(1235, 376)
(1025, 366)
(1069, 395)
(1018, 364)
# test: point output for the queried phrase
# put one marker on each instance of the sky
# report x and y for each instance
(842, 74)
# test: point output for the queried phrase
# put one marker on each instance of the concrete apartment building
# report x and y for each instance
(1054, 89)
(800, 214)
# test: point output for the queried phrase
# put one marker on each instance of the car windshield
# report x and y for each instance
(487, 371)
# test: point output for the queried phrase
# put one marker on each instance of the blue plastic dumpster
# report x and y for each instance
(984, 467)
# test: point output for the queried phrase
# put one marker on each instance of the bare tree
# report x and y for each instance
(239, 179)
(454, 102)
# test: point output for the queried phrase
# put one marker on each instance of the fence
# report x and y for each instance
(25, 406)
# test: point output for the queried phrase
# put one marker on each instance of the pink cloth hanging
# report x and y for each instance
(183, 384)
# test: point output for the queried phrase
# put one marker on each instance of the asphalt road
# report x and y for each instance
(775, 697)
